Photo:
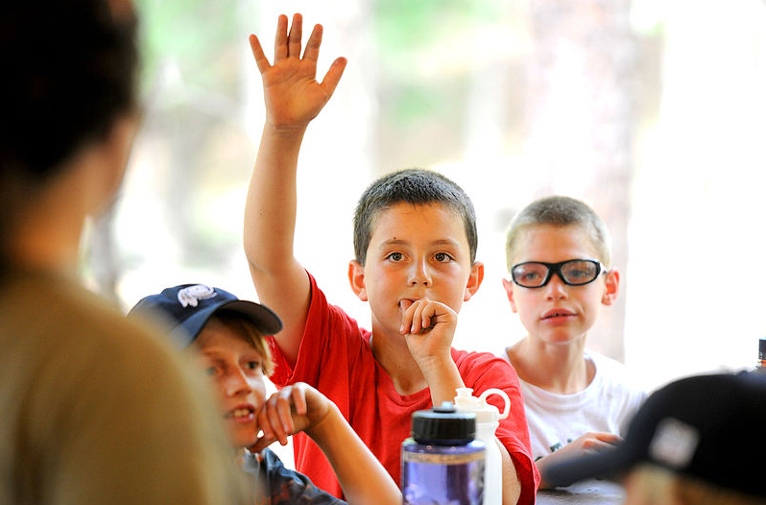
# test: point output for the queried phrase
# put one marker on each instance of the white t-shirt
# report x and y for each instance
(606, 405)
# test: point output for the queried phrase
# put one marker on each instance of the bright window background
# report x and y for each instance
(652, 111)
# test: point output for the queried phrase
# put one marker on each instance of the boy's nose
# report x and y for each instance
(419, 274)
(556, 288)
(235, 383)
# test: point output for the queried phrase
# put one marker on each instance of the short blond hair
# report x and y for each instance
(562, 211)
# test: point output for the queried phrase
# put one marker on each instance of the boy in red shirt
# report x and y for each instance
(415, 244)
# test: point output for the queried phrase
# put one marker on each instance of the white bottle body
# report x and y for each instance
(493, 463)
(487, 421)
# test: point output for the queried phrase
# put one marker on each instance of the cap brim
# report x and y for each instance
(264, 318)
(604, 465)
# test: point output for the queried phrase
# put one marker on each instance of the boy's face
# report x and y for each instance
(558, 313)
(237, 371)
(415, 252)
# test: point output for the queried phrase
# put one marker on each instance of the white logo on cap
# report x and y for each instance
(192, 294)
(674, 443)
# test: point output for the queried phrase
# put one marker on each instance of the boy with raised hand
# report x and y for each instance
(559, 259)
(415, 244)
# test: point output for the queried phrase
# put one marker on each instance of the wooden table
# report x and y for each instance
(590, 492)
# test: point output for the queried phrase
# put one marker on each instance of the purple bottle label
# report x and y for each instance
(443, 475)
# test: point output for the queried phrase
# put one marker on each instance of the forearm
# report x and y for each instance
(269, 234)
(362, 477)
(443, 379)
(271, 205)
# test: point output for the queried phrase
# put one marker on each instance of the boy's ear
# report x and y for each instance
(508, 286)
(474, 280)
(356, 279)
(612, 287)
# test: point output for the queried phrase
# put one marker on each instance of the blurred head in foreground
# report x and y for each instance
(694, 442)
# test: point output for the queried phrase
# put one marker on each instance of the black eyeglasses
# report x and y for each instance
(536, 274)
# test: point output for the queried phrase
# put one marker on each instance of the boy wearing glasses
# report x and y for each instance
(577, 401)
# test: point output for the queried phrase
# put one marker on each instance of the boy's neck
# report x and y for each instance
(557, 369)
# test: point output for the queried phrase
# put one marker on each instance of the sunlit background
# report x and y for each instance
(652, 111)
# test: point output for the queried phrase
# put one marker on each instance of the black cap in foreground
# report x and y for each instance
(705, 426)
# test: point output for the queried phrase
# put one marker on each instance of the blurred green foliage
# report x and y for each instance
(193, 33)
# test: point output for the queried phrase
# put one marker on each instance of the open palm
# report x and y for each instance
(292, 94)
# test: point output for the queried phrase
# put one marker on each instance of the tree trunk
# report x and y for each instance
(581, 113)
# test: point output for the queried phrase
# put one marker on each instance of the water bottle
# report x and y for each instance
(442, 462)
(487, 421)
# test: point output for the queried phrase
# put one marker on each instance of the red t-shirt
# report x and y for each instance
(335, 357)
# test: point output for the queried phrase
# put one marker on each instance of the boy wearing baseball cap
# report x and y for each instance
(229, 337)
(693, 442)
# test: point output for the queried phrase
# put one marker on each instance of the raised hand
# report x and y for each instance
(292, 94)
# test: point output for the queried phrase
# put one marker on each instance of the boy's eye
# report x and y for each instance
(530, 276)
(210, 371)
(396, 256)
(254, 365)
(577, 274)
(442, 257)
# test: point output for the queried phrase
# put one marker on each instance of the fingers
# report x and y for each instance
(313, 44)
(296, 34)
(609, 438)
(275, 419)
(280, 39)
(333, 75)
(298, 398)
(599, 442)
(258, 55)
(418, 317)
(288, 45)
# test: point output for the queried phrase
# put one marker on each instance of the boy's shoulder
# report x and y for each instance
(615, 374)
(603, 361)
(482, 364)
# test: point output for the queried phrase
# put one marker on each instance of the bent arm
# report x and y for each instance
(587, 443)
(362, 477)
(300, 407)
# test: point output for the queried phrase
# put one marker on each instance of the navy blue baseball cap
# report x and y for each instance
(705, 427)
(184, 310)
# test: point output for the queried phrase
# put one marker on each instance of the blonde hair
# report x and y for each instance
(561, 211)
(245, 329)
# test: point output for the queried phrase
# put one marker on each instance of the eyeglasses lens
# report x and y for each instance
(530, 275)
(572, 272)
(579, 272)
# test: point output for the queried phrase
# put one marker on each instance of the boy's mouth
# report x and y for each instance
(240, 413)
(405, 304)
(557, 313)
